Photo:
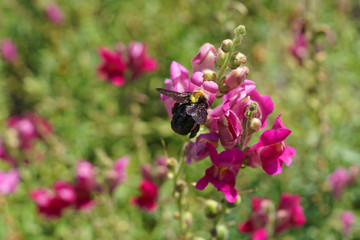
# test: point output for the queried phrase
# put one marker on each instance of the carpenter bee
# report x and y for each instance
(189, 111)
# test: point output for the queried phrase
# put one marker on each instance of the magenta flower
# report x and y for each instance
(289, 213)
(205, 58)
(196, 151)
(258, 220)
(9, 181)
(29, 127)
(148, 196)
(8, 50)
(112, 68)
(300, 47)
(118, 173)
(348, 220)
(223, 172)
(338, 181)
(235, 77)
(139, 60)
(85, 177)
(271, 152)
(54, 13)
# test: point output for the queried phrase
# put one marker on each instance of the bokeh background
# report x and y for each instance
(56, 77)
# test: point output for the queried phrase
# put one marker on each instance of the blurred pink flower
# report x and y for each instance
(54, 13)
(338, 181)
(259, 234)
(8, 50)
(139, 60)
(148, 196)
(289, 213)
(300, 47)
(29, 127)
(118, 173)
(196, 151)
(271, 151)
(348, 220)
(85, 175)
(9, 181)
(205, 58)
(223, 172)
(112, 68)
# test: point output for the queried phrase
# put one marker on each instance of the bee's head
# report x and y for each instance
(194, 96)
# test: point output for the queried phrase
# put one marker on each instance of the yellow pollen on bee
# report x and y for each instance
(194, 97)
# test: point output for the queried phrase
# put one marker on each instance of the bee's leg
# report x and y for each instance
(175, 108)
(194, 131)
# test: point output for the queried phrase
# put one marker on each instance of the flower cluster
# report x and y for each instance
(347, 219)
(8, 51)
(221, 74)
(342, 178)
(265, 221)
(125, 63)
(54, 13)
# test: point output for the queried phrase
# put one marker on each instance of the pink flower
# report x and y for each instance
(5, 156)
(29, 127)
(258, 220)
(85, 178)
(9, 181)
(205, 58)
(148, 196)
(235, 77)
(196, 151)
(112, 68)
(271, 151)
(8, 50)
(289, 213)
(348, 220)
(223, 172)
(139, 60)
(118, 173)
(338, 181)
(54, 13)
(300, 47)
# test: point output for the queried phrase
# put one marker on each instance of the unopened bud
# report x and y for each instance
(253, 106)
(180, 187)
(222, 233)
(255, 124)
(235, 77)
(234, 204)
(209, 75)
(188, 219)
(176, 215)
(171, 164)
(236, 60)
(226, 45)
(240, 30)
(212, 208)
(220, 58)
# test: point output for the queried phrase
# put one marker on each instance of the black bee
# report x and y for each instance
(189, 111)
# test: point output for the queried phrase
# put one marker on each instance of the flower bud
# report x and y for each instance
(180, 187)
(188, 219)
(253, 106)
(176, 215)
(233, 204)
(209, 75)
(171, 164)
(205, 58)
(236, 60)
(255, 124)
(212, 208)
(222, 233)
(235, 77)
(220, 58)
(240, 30)
(226, 45)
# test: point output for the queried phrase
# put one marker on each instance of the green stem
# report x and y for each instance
(179, 195)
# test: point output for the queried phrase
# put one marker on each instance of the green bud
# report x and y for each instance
(180, 186)
(240, 30)
(236, 60)
(222, 233)
(226, 45)
(220, 58)
(212, 208)
(234, 204)
(253, 106)
(209, 75)
(188, 219)
(255, 124)
(171, 164)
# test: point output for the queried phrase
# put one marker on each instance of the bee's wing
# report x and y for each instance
(198, 112)
(178, 97)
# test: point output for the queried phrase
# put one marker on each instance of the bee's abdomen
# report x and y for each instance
(181, 122)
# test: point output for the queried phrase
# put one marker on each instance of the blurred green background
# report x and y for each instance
(94, 120)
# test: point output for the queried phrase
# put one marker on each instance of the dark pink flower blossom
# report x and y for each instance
(300, 47)
(118, 173)
(235, 77)
(289, 213)
(148, 196)
(338, 181)
(196, 151)
(205, 58)
(54, 13)
(271, 151)
(85, 177)
(258, 220)
(9, 181)
(139, 60)
(223, 172)
(8, 50)
(348, 220)
(29, 127)
(112, 68)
